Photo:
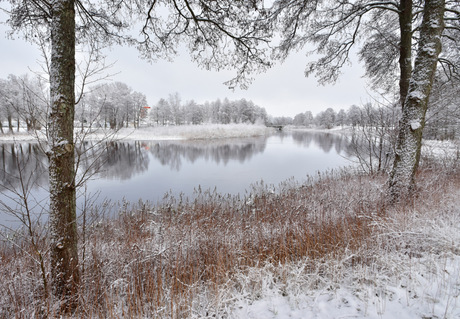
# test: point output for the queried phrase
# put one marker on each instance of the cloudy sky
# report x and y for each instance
(283, 90)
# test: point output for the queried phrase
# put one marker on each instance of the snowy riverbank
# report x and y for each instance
(183, 132)
(188, 132)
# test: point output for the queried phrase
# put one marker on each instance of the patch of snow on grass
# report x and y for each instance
(23, 136)
(429, 290)
(420, 282)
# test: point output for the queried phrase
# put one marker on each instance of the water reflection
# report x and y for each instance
(172, 154)
(325, 141)
(123, 160)
(22, 163)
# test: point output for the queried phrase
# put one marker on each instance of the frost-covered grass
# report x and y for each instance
(329, 248)
(445, 150)
(182, 132)
(195, 132)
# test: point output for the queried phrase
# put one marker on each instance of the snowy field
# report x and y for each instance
(182, 132)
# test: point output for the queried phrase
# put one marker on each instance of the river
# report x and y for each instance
(148, 170)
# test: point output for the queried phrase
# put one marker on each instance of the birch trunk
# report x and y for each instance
(402, 177)
(64, 255)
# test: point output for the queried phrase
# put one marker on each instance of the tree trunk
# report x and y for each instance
(413, 119)
(64, 255)
(10, 123)
(405, 47)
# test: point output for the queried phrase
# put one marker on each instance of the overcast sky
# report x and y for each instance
(283, 90)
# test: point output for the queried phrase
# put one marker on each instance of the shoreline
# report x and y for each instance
(183, 132)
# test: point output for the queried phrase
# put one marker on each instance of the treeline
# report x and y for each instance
(173, 111)
(111, 105)
(442, 118)
(116, 105)
(329, 118)
(353, 116)
(23, 103)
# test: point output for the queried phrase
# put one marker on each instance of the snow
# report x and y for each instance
(424, 283)
(416, 95)
(441, 149)
(414, 125)
(430, 48)
(182, 132)
(23, 136)
(426, 296)
(419, 281)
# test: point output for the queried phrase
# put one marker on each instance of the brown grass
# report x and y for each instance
(154, 260)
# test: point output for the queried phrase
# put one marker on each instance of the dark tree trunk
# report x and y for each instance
(64, 255)
(413, 119)
(10, 123)
(405, 48)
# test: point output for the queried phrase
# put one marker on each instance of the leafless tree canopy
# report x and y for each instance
(218, 34)
(383, 33)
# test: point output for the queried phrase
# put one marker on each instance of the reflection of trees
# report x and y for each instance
(325, 141)
(172, 154)
(303, 138)
(123, 160)
(116, 159)
(22, 159)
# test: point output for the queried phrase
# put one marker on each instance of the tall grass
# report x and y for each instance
(194, 257)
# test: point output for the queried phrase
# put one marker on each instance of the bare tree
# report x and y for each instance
(24, 172)
(11, 101)
(443, 115)
(409, 142)
(373, 138)
(32, 101)
(326, 118)
(387, 30)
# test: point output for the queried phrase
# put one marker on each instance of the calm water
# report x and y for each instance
(148, 170)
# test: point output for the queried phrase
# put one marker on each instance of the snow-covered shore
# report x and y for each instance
(420, 281)
(183, 132)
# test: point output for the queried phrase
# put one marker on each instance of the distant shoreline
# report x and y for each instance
(182, 132)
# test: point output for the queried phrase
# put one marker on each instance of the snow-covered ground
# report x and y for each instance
(182, 132)
(422, 280)
(422, 287)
